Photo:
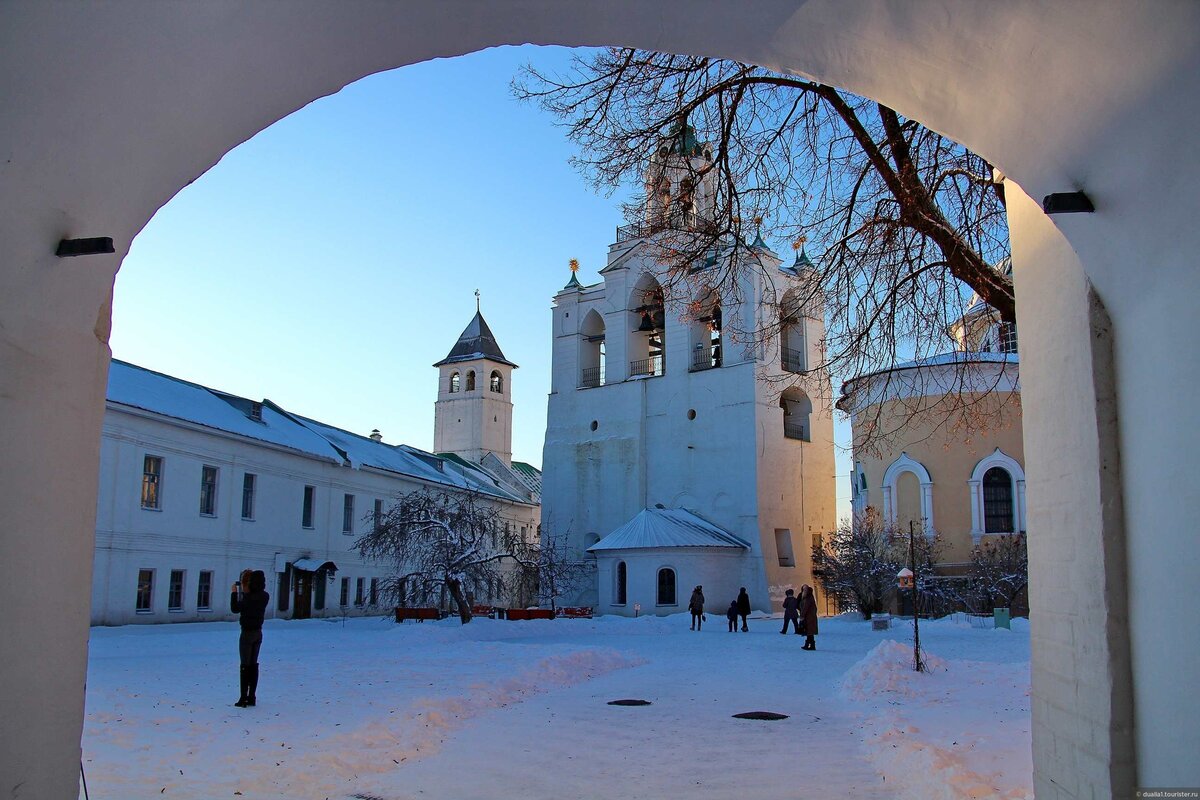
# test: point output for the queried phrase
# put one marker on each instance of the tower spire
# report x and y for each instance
(476, 301)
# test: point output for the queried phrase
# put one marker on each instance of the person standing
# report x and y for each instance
(732, 616)
(743, 608)
(696, 606)
(808, 616)
(789, 612)
(249, 601)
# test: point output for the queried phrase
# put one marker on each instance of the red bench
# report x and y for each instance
(575, 612)
(419, 614)
(528, 613)
(483, 611)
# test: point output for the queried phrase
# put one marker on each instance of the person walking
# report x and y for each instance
(249, 601)
(808, 616)
(732, 616)
(789, 612)
(743, 608)
(696, 606)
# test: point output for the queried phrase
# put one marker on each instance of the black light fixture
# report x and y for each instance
(1067, 203)
(84, 247)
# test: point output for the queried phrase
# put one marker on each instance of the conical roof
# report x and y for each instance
(476, 341)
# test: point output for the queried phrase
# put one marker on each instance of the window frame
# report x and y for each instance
(157, 481)
(208, 490)
(148, 608)
(175, 591)
(359, 592)
(347, 514)
(204, 586)
(344, 595)
(308, 507)
(249, 495)
(1007, 507)
(621, 584)
(658, 586)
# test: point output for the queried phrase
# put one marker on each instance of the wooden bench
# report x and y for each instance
(419, 614)
(483, 611)
(575, 612)
(528, 613)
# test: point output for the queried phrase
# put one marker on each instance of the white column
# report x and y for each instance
(976, 489)
(927, 507)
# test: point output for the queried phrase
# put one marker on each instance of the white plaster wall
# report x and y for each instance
(474, 423)
(722, 572)
(1059, 94)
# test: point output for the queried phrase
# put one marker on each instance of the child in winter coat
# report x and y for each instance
(732, 616)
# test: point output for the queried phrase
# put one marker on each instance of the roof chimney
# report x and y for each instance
(376, 436)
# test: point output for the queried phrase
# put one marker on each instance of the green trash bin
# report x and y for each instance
(1002, 617)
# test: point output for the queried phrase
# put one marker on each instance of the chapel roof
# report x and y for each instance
(667, 527)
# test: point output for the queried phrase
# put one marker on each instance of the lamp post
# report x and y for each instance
(907, 579)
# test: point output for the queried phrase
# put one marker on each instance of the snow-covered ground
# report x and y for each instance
(369, 709)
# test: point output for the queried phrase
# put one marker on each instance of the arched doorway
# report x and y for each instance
(1057, 94)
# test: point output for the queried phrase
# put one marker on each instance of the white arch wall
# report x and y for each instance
(108, 109)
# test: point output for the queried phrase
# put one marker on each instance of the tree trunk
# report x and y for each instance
(456, 592)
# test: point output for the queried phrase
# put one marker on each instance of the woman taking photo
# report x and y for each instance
(249, 601)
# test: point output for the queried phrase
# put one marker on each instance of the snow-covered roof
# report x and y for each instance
(667, 527)
(137, 387)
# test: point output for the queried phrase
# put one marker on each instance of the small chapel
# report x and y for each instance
(684, 446)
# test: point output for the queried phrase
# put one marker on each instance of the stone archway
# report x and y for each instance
(109, 110)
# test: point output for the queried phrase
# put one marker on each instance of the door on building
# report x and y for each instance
(302, 594)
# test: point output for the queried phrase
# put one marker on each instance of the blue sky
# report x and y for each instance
(327, 262)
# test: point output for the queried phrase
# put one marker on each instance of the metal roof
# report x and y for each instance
(667, 527)
(476, 341)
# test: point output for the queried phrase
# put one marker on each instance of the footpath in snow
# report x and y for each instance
(365, 708)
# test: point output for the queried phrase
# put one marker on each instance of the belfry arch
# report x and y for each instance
(109, 110)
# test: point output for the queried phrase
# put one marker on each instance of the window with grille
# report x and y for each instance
(997, 501)
(622, 584)
(374, 591)
(344, 600)
(152, 482)
(358, 592)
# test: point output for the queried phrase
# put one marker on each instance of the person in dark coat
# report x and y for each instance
(743, 608)
(789, 612)
(249, 601)
(732, 616)
(808, 616)
(696, 606)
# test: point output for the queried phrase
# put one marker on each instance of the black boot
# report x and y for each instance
(251, 683)
(243, 682)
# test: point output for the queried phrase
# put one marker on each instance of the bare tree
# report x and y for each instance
(550, 569)
(909, 223)
(999, 571)
(435, 539)
(858, 562)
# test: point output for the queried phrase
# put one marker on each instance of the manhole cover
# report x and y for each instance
(629, 702)
(760, 715)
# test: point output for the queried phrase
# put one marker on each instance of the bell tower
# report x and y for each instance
(473, 412)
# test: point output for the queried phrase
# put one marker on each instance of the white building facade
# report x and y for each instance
(197, 485)
(667, 398)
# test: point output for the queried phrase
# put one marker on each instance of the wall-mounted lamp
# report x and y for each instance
(1067, 203)
(84, 247)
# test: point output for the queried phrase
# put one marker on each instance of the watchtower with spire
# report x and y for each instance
(473, 412)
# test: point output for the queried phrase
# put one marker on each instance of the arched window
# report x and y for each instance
(797, 414)
(591, 351)
(891, 494)
(622, 581)
(497, 382)
(666, 587)
(793, 343)
(705, 330)
(647, 319)
(997, 501)
(471, 381)
(455, 380)
(997, 487)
